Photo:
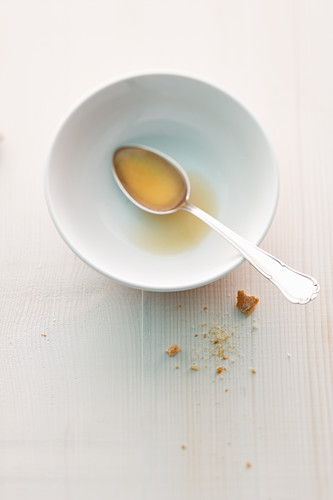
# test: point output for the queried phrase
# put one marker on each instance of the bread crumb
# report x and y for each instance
(205, 335)
(205, 308)
(172, 350)
(195, 334)
(194, 366)
(177, 367)
(288, 354)
(179, 305)
(248, 464)
(43, 335)
(246, 303)
(183, 447)
(226, 390)
(219, 369)
(253, 370)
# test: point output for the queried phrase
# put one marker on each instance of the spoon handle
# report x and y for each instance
(295, 286)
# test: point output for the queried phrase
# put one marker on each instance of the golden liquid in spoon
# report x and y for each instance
(150, 179)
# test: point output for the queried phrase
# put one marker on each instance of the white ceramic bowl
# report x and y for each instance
(206, 130)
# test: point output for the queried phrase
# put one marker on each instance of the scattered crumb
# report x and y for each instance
(288, 354)
(205, 308)
(253, 370)
(226, 390)
(177, 367)
(172, 350)
(195, 334)
(194, 366)
(179, 305)
(229, 442)
(218, 343)
(183, 447)
(246, 303)
(43, 335)
(248, 464)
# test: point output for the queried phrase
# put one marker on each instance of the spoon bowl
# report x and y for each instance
(158, 198)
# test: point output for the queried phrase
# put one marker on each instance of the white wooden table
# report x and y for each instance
(91, 407)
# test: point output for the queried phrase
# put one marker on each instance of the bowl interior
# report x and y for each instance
(210, 134)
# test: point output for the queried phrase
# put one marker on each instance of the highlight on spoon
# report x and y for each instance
(150, 179)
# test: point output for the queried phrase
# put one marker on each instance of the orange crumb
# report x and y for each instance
(177, 367)
(205, 335)
(226, 390)
(179, 305)
(205, 308)
(183, 447)
(194, 366)
(204, 324)
(246, 303)
(253, 370)
(172, 350)
(224, 356)
(195, 334)
(220, 369)
(43, 335)
(248, 464)
(202, 357)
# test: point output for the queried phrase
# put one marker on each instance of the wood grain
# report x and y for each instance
(96, 408)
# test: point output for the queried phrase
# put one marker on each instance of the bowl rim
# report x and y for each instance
(151, 73)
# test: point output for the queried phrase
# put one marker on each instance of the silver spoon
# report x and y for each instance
(295, 286)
